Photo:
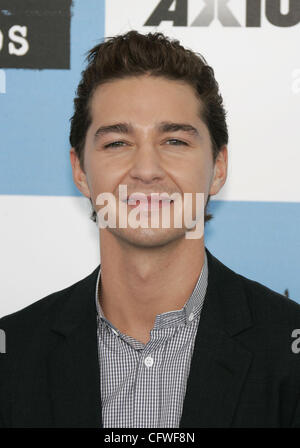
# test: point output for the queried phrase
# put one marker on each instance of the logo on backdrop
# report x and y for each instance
(220, 10)
(35, 34)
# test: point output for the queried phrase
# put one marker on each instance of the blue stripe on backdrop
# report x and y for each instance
(259, 240)
(35, 112)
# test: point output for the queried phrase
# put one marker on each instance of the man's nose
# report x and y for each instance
(146, 163)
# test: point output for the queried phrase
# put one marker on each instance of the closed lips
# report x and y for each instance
(134, 199)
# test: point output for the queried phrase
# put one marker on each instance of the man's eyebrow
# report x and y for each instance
(163, 127)
(167, 126)
(119, 128)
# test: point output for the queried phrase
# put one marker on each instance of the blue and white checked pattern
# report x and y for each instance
(144, 385)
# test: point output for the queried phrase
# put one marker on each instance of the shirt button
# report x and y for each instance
(149, 361)
(191, 316)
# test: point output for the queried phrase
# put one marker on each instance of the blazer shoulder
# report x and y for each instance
(266, 305)
(27, 330)
(47, 306)
(266, 302)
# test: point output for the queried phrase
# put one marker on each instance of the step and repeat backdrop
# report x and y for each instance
(47, 241)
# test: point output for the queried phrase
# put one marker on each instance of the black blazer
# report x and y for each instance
(243, 372)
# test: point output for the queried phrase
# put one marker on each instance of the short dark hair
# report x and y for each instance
(134, 54)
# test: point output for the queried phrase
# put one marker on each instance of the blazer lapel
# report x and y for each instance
(219, 364)
(74, 378)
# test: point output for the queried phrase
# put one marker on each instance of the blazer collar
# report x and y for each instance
(228, 306)
(226, 301)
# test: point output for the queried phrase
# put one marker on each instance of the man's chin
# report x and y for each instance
(149, 237)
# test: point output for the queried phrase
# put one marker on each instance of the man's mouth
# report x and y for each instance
(147, 202)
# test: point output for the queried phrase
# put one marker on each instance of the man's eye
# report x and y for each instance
(174, 141)
(177, 142)
(113, 144)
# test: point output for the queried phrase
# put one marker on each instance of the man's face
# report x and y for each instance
(145, 154)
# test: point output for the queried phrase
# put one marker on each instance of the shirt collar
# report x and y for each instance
(186, 315)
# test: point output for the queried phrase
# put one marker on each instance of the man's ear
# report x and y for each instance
(220, 171)
(79, 176)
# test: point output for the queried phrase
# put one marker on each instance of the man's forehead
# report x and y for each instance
(172, 87)
(141, 116)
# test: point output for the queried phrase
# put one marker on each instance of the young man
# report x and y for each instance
(161, 334)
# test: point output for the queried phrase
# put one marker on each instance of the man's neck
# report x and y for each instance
(139, 283)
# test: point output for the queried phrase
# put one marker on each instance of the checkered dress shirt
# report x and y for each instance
(144, 385)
